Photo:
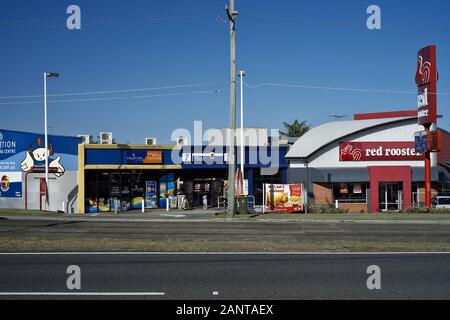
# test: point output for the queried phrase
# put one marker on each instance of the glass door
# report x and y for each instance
(390, 197)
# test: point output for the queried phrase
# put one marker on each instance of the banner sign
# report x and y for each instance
(284, 197)
(142, 157)
(378, 151)
(426, 78)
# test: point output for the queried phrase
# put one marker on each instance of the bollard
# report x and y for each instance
(143, 205)
(337, 204)
(167, 204)
(63, 207)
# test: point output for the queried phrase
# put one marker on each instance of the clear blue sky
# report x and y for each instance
(145, 44)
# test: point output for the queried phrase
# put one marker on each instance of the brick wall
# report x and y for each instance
(323, 193)
(354, 207)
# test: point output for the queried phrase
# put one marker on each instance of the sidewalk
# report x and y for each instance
(215, 215)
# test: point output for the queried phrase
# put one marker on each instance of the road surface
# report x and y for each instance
(225, 276)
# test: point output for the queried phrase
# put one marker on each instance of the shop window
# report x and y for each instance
(350, 192)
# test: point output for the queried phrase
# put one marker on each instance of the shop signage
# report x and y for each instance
(378, 151)
(284, 197)
(142, 157)
(426, 78)
(211, 157)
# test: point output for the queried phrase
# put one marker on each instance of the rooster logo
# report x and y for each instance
(36, 156)
(349, 153)
(423, 71)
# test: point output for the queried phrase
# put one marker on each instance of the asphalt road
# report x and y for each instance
(226, 276)
(225, 231)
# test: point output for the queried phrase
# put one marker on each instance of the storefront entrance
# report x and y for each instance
(390, 197)
(198, 191)
(390, 188)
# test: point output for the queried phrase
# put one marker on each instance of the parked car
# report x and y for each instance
(442, 202)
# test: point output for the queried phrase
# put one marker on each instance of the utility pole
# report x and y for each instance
(232, 14)
(241, 75)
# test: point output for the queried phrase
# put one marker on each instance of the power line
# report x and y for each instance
(63, 25)
(118, 91)
(116, 98)
(301, 86)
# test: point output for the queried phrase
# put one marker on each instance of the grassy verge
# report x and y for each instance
(86, 245)
(345, 216)
(23, 212)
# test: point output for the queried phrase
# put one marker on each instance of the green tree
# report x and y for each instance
(295, 129)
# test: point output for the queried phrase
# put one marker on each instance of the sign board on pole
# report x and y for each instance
(421, 142)
(426, 78)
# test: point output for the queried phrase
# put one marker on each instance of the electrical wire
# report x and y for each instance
(63, 25)
(119, 91)
(300, 86)
(116, 98)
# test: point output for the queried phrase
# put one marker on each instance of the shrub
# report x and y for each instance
(427, 210)
(325, 209)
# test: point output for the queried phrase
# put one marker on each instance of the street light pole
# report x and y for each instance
(232, 14)
(45, 134)
(47, 75)
(241, 75)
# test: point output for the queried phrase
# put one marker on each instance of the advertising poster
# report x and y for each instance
(284, 197)
(151, 197)
(11, 184)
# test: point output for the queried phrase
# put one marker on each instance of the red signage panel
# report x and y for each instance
(378, 151)
(426, 78)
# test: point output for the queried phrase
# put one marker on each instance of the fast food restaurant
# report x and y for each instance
(367, 164)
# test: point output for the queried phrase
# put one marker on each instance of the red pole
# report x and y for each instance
(428, 173)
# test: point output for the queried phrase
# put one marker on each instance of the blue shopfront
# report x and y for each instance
(120, 177)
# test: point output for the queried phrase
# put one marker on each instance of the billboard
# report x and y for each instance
(25, 152)
(284, 197)
(378, 151)
(426, 78)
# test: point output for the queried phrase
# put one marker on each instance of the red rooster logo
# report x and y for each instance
(349, 153)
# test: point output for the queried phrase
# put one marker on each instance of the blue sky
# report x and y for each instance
(146, 44)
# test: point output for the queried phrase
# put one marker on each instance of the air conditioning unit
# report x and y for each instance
(150, 141)
(180, 141)
(106, 138)
(85, 138)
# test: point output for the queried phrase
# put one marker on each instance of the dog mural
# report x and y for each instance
(36, 156)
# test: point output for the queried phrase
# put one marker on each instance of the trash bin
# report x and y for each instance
(242, 204)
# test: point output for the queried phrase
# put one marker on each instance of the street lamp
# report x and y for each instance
(47, 75)
(241, 75)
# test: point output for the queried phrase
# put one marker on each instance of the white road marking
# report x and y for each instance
(82, 293)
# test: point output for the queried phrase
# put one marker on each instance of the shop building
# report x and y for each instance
(368, 164)
(22, 171)
(119, 177)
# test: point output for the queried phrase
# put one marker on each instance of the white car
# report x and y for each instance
(443, 203)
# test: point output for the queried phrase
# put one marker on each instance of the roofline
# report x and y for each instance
(385, 115)
(40, 134)
(350, 134)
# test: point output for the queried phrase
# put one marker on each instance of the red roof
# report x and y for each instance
(385, 115)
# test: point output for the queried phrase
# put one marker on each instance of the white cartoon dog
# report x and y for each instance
(36, 156)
